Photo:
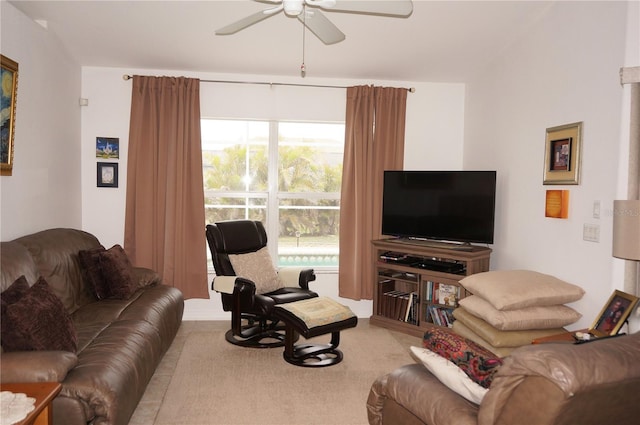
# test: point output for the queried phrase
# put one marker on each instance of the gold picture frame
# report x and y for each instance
(562, 154)
(614, 314)
(9, 78)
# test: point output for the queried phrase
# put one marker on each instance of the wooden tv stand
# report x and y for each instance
(408, 296)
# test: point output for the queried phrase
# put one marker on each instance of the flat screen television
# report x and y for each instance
(457, 206)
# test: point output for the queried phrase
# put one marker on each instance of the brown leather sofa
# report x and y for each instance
(557, 383)
(120, 342)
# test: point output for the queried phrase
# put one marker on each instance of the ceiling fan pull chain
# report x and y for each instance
(303, 68)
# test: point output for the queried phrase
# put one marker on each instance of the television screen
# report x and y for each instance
(454, 206)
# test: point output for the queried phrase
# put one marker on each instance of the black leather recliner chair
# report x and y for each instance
(252, 321)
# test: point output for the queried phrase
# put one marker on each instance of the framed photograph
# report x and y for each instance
(107, 147)
(614, 313)
(562, 154)
(9, 75)
(107, 174)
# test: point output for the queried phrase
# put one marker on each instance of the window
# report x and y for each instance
(285, 174)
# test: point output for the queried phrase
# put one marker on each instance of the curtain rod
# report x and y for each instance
(410, 89)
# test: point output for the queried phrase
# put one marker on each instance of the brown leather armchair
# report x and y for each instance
(252, 321)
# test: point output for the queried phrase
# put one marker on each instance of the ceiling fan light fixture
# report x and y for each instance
(293, 7)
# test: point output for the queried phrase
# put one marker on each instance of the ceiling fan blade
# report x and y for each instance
(248, 21)
(401, 8)
(322, 27)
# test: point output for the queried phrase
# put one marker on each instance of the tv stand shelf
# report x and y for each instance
(418, 282)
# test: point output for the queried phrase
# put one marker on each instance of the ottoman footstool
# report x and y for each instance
(311, 318)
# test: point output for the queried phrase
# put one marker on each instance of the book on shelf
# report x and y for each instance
(411, 314)
(448, 294)
(441, 316)
(442, 293)
(399, 305)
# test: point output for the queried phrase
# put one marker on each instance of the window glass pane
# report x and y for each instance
(310, 157)
(308, 232)
(234, 155)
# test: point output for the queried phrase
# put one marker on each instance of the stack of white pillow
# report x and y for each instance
(510, 308)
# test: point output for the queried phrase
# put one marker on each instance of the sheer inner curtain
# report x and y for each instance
(164, 218)
(374, 142)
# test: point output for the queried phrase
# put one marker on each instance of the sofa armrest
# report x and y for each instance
(145, 277)
(36, 366)
(422, 397)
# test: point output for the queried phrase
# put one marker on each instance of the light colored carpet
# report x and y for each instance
(217, 383)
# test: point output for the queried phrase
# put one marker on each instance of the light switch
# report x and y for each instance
(591, 232)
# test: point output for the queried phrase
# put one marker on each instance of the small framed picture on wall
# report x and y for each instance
(562, 154)
(107, 174)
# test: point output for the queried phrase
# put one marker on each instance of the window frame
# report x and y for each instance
(273, 195)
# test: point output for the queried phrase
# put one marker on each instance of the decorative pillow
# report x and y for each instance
(109, 272)
(117, 273)
(258, 268)
(10, 296)
(526, 318)
(14, 292)
(496, 337)
(92, 272)
(461, 329)
(477, 362)
(449, 374)
(513, 289)
(38, 321)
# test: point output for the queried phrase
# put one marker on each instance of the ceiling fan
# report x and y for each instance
(315, 20)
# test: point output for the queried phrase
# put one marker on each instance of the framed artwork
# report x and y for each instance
(614, 313)
(9, 75)
(107, 174)
(107, 147)
(562, 154)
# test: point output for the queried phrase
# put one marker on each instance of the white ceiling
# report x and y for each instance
(442, 41)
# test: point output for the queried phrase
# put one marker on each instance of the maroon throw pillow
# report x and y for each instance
(109, 272)
(92, 271)
(14, 292)
(476, 361)
(38, 321)
(117, 273)
(9, 296)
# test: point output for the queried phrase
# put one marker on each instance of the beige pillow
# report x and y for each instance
(513, 289)
(449, 374)
(462, 330)
(527, 318)
(498, 338)
(257, 267)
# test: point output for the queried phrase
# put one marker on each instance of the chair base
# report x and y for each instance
(311, 355)
(258, 334)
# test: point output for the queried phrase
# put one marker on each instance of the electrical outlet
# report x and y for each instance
(591, 232)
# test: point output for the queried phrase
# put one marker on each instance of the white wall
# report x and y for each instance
(44, 190)
(564, 70)
(435, 114)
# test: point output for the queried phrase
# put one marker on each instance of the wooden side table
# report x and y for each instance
(44, 393)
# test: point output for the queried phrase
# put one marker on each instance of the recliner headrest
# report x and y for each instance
(240, 236)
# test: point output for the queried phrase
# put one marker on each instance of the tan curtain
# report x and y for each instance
(374, 142)
(164, 219)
